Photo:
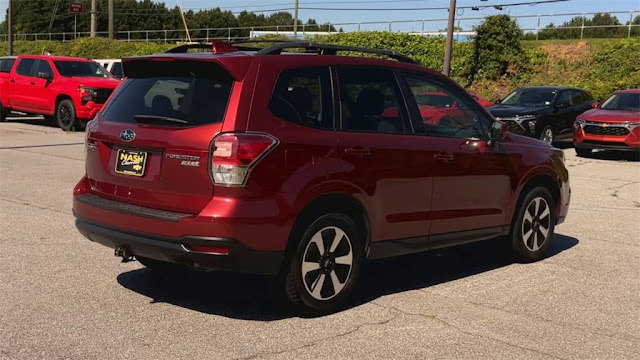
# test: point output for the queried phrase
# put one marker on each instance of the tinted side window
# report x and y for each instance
(371, 101)
(6, 64)
(26, 67)
(303, 96)
(578, 97)
(564, 98)
(444, 112)
(44, 67)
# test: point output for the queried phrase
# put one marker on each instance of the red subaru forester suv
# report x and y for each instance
(305, 165)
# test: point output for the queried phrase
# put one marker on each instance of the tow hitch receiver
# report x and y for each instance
(124, 254)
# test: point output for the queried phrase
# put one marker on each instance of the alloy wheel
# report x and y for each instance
(536, 224)
(547, 135)
(327, 263)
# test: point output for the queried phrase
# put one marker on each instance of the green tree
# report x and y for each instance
(497, 48)
(599, 26)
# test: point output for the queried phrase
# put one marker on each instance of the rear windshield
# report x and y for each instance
(169, 101)
(81, 68)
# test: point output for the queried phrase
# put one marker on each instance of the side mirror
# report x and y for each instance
(498, 131)
(595, 105)
(45, 75)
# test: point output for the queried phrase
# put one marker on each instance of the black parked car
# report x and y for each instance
(543, 112)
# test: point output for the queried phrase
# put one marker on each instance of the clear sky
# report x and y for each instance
(337, 17)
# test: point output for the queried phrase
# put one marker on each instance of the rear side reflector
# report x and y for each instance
(216, 250)
(235, 154)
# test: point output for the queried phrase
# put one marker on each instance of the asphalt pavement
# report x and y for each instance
(64, 297)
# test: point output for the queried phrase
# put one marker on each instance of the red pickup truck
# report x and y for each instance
(66, 90)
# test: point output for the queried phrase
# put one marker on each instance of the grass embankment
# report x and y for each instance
(600, 66)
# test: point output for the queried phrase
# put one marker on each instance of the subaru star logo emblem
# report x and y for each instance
(127, 135)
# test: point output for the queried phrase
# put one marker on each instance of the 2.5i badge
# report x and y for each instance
(131, 162)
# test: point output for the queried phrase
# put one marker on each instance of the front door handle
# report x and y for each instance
(33, 83)
(12, 80)
(358, 152)
(443, 157)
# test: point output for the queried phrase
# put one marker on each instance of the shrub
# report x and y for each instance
(497, 51)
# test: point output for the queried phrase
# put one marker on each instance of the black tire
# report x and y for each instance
(582, 152)
(160, 266)
(530, 223)
(300, 288)
(3, 113)
(66, 115)
(547, 135)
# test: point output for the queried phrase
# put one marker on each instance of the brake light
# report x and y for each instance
(235, 154)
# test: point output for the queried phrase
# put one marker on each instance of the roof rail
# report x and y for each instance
(328, 49)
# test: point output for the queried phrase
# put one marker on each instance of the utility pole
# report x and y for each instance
(446, 69)
(110, 19)
(10, 28)
(93, 18)
(295, 21)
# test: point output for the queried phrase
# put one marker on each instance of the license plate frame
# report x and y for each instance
(131, 162)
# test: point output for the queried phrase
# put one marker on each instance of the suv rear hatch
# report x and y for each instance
(151, 144)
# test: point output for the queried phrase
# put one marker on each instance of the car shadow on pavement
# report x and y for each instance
(613, 155)
(251, 297)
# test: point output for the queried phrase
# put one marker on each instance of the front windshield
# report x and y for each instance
(81, 68)
(624, 102)
(530, 97)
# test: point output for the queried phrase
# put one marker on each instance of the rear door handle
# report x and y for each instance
(33, 83)
(358, 152)
(12, 80)
(443, 157)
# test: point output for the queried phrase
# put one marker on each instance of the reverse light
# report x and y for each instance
(235, 154)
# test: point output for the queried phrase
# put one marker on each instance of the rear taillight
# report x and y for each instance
(235, 154)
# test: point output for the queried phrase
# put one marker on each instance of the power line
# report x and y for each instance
(531, 3)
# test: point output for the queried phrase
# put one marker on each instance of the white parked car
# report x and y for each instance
(114, 66)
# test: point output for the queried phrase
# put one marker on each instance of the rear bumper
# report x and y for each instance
(177, 250)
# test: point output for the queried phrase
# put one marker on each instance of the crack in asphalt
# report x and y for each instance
(26, 203)
(39, 153)
(623, 185)
(457, 328)
(329, 338)
(611, 336)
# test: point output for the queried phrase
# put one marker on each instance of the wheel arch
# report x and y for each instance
(543, 179)
(337, 202)
(59, 99)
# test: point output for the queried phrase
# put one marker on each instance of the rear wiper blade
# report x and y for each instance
(155, 118)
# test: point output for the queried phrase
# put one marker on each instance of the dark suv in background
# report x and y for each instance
(306, 165)
(543, 112)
